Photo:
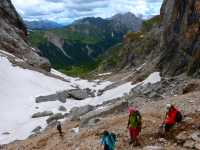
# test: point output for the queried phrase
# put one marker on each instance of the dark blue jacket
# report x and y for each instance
(111, 143)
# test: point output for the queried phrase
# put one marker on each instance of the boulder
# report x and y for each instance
(195, 137)
(120, 106)
(37, 129)
(80, 111)
(102, 131)
(61, 96)
(152, 148)
(5, 133)
(187, 119)
(62, 108)
(92, 122)
(42, 114)
(182, 137)
(78, 94)
(74, 118)
(197, 146)
(52, 124)
(54, 117)
(188, 144)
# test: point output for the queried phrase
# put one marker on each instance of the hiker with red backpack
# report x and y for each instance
(108, 139)
(135, 126)
(59, 128)
(174, 116)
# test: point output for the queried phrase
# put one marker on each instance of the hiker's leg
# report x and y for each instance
(136, 139)
(106, 147)
(131, 135)
(169, 134)
(164, 131)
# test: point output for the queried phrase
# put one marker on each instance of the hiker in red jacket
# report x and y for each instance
(59, 128)
(171, 121)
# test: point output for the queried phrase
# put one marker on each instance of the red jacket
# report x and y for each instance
(172, 116)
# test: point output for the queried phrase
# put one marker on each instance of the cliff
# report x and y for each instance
(172, 47)
(13, 37)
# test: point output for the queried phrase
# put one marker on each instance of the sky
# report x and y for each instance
(66, 11)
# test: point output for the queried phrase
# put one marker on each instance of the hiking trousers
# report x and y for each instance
(106, 147)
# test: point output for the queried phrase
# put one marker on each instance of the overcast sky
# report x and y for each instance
(66, 11)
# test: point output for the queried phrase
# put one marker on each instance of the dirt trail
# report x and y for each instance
(153, 113)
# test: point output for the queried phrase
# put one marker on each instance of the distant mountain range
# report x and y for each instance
(42, 25)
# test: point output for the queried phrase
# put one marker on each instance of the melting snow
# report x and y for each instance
(19, 88)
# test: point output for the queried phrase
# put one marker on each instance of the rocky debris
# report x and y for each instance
(62, 108)
(160, 90)
(192, 86)
(14, 38)
(37, 129)
(93, 122)
(182, 137)
(80, 111)
(195, 137)
(188, 144)
(197, 146)
(101, 132)
(153, 148)
(54, 117)
(67, 141)
(52, 124)
(5, 133)
(42, 114)
(61, 96)
(90, 92)
(120, 106)
(78, 94)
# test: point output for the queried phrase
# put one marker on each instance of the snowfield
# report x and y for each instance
(19, 88)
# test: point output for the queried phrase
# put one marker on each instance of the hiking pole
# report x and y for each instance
(161, 127)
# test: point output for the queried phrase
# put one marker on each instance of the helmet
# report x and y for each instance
(168, 106)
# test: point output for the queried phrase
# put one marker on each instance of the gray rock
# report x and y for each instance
(54, 117)
(5, 133)
(74, 118)
(31, 136)
(120, 106)
(80, 111)
(61, 96)
(37, 129)
(62, 108)
(153, 148)
(67, 141)
(195, 137)
(182, 137)
(101, 132)
(93, 122)
(78, 94)
(42, 114)
(187, 119)
(52, 124)
(188, 144)
(197, 146)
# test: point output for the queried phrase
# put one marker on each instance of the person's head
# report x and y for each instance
(169, 107)
(132, 112)
(106, 134)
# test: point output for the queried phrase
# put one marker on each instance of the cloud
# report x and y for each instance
(62, 10)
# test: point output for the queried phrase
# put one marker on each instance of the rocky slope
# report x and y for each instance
(129, 19)
(14, 39)
(171, 47)
(42, 25)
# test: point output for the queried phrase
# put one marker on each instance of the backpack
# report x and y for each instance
(178, 117)
(114, 137)
(137, 114)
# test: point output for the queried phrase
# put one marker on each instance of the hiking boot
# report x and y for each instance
(136, 144)
(131, 142)
(162, 135)
(170, 138)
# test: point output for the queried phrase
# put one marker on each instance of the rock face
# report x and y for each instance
(13, 37)
(42, 114)
(120, 106)
(129, 19)
(54, 117)
(172, 46)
